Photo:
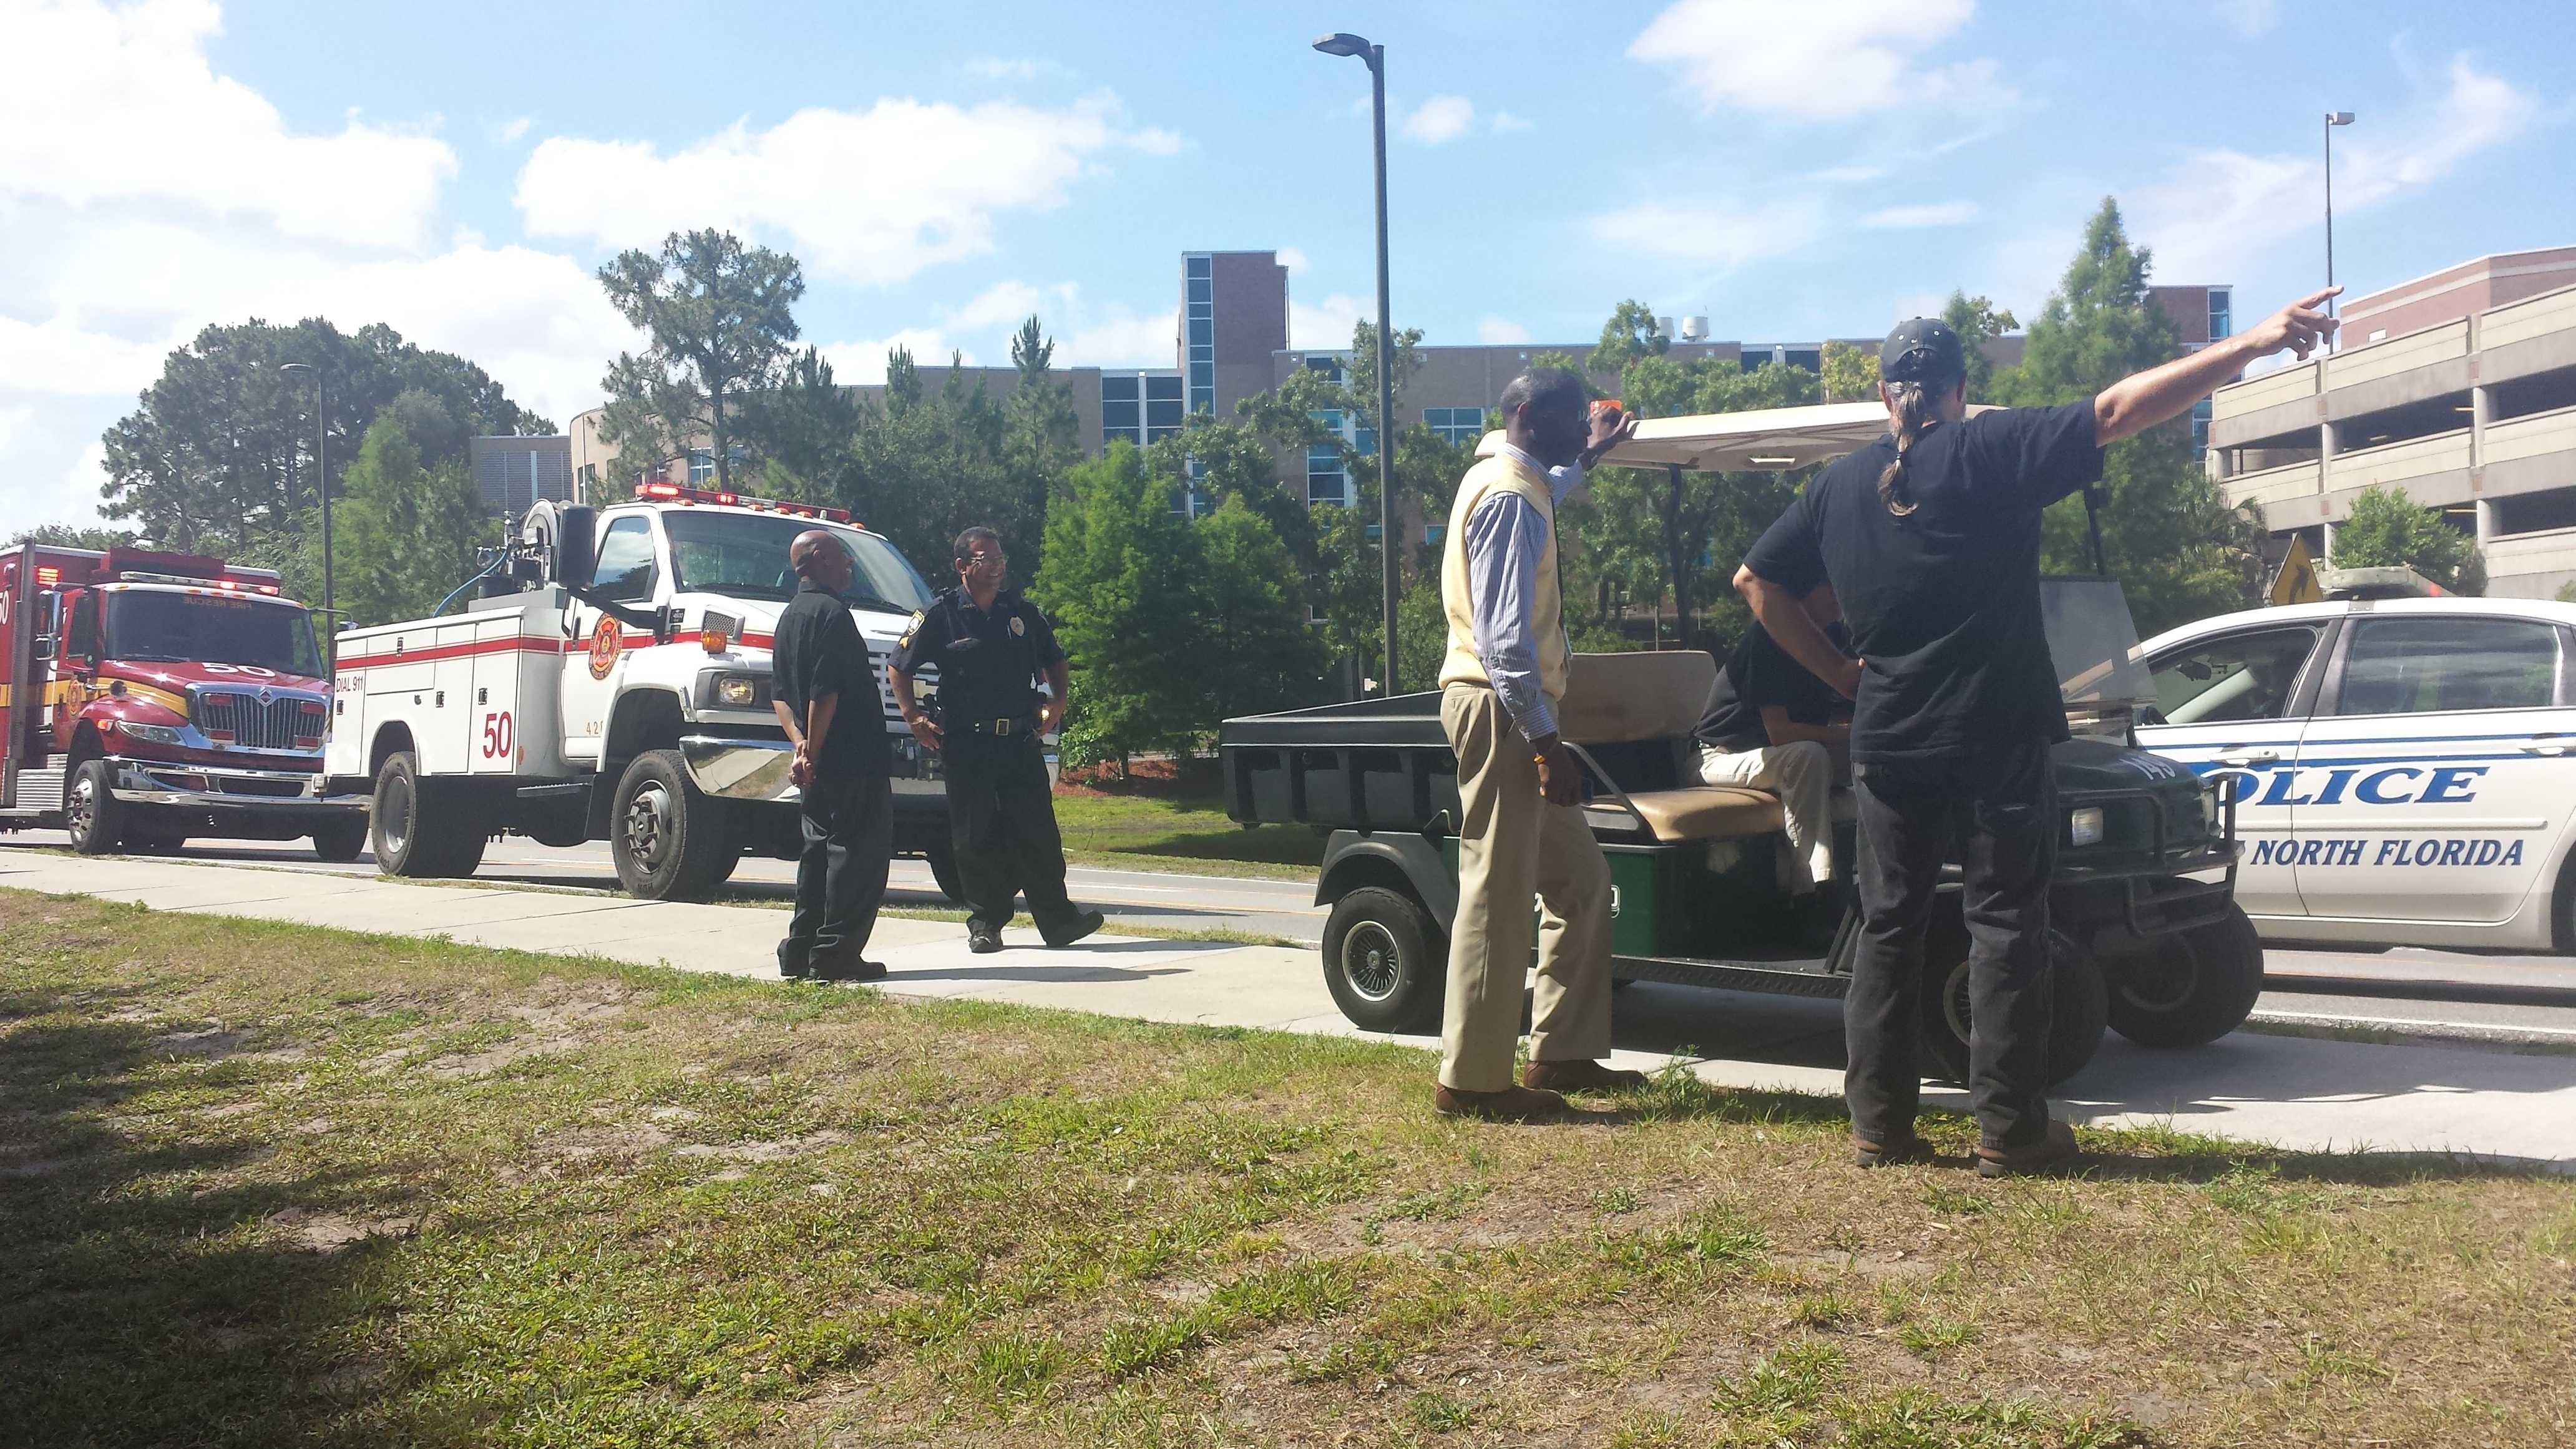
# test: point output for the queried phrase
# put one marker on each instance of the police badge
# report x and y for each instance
(1019, 625)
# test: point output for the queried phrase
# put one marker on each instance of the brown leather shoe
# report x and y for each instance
(1894, 1152)
(1581, 1076)
(2055, 1146)
(1511, 1104)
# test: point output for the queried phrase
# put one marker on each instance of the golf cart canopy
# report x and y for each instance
(1773, 439)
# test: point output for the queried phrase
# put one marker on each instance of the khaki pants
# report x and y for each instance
(1801, 773)
(1513, 845)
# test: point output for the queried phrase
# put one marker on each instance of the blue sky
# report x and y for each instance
(1790, 170)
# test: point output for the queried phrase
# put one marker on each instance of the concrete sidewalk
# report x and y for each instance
(2291, 1092)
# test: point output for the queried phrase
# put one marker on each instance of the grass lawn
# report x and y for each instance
(270, 1185)
(1155, 821)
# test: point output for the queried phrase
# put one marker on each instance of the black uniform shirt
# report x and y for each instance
(1761, 673)
(1943, 603)
(988, 659)
(818, 651)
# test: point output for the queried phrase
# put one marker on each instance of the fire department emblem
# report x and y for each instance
(605, 641)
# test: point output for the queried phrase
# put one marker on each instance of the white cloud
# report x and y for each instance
(1440, 119)
(1908, 218)
(1326, 326)
(114, 109)
(1501, 332)
(865, 361)
(1818, 62)
(1293, 258)
(509, 131)
(2250, 19)
(994, 67)
(1505, 122)
(2218, 206)
(870, 196)
(1152, 340)
(1718, 239)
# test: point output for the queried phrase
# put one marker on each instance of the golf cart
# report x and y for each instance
(2146, 934)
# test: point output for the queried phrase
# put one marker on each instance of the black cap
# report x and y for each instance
(1922, 349)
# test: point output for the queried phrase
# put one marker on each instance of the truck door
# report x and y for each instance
(2228, 705)
(630, 571)
(2439, 770)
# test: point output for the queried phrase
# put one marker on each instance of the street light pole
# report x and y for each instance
(2333, 119)
(322, 477)
(1341, 43)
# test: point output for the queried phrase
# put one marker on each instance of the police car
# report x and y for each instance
(2404, 768)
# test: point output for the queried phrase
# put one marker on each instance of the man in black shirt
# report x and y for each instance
(990, 646)
(1930, 540)
(1769, 725)
(825, 695)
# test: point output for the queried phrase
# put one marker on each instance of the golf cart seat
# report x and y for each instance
(1635, 714)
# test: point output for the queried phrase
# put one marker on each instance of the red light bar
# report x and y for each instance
(659, 490)
(47, 575)
(675, 493)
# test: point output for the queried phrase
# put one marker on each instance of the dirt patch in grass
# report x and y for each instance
(674, 1210)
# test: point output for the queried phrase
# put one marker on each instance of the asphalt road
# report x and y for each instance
(2402, 989)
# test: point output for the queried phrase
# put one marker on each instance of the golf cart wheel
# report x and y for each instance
(2194, 987)
(92, 815)
(670, 840)
(2079, 1001)
(341, 840)
(1385, 964)
(943, 870)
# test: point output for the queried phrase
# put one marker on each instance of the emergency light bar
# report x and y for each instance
(674, 493)
(138, 576)
(47, 575)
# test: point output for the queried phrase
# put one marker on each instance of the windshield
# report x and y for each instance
(744, 556)
(171, 627)
(2094, 643)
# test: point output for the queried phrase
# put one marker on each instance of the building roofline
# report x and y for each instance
(2438, 272)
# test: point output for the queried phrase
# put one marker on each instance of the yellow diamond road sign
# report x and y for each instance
(2296, 583)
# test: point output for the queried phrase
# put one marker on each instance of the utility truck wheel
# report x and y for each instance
(1385, 963)
(2193, 988)
(341, 840)
(159, 840)
(943, 870)
(671, 840)
(2079, 1001)
(92, 814)
(420, 829)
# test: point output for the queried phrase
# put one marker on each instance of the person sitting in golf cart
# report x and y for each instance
(1771, 725)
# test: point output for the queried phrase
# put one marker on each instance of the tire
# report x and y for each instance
(2079, 1001)
(670, 840)
(1385, 962)
(342, 840)
(2195, 987)
(165, 841)
(421, 830)
(92, 815)
(943, 869)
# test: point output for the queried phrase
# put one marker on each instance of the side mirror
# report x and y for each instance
(44, 647)
(576, 550)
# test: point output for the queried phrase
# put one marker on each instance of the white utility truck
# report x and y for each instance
(612, 683)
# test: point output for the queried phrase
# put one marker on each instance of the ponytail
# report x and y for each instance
(1913, 405)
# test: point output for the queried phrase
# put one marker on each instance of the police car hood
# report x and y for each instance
(2087, 766)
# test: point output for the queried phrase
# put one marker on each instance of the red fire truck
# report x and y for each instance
(150, 696)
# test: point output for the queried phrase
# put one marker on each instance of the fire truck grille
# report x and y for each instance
(280, 724)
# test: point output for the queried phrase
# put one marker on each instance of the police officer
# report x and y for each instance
(990, 645)
(825, 695)
(1930, 539)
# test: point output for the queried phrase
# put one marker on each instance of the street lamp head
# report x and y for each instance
(2338, 118)
(1342, 42)
(295, 367)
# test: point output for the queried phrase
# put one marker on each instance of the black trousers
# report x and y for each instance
(1001, 820)
(841, 873)
(2000, 813)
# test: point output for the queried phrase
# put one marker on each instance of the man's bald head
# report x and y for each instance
(818, 556)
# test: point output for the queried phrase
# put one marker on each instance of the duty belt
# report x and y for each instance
(1001, 728)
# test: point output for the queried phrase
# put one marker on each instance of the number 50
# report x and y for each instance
(496, 736)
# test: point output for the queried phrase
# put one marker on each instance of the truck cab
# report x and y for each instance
(152, 696)
(614, 686)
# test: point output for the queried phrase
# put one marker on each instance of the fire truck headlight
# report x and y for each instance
(738, 690)
(152, 734)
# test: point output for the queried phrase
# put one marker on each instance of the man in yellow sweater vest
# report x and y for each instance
(1522, 832)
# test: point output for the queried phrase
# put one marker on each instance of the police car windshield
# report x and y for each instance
(170, 626)
(744, 556)
(2094, 643)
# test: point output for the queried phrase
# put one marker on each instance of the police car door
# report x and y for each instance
(2233, 704)
(629, 572)
(2437, 770)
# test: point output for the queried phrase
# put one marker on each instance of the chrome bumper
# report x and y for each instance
(207, 787)
(738, 769)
